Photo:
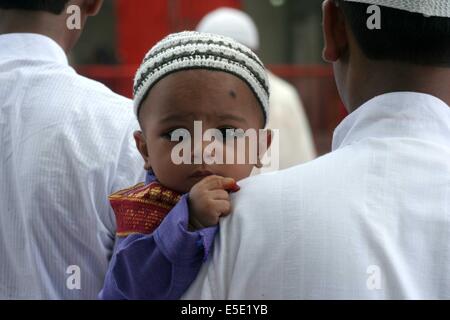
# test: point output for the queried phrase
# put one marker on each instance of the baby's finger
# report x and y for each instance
(233, 188)
(219, 195)
(223, 207)
(218, 182)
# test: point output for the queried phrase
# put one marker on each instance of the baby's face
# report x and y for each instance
(219, 100)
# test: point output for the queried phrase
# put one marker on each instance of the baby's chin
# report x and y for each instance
(183, 188)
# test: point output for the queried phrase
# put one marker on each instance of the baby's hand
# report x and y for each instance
(209, 200)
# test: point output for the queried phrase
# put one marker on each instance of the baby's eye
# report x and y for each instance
(178, 134)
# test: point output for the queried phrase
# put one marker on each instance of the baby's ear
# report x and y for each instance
(141, 145)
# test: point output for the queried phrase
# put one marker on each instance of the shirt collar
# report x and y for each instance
(31, 46)
(399, 114)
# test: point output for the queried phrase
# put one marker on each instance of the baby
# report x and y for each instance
(166, 227)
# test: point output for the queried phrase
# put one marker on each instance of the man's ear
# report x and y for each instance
(92, 7)
(141, 145)
(264, 145)
(334, 31)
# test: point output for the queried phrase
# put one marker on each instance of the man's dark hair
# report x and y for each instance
(403, 37)
(53, 6)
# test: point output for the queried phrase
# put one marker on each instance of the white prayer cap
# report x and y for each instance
(431, 8)
(191, 50)
(231, 23)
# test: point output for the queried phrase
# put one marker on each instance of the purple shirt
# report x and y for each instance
(161, 265)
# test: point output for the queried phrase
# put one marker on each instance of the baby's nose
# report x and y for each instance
(204, 152)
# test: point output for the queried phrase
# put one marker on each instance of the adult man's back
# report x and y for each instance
(371, 219)
(66, 143)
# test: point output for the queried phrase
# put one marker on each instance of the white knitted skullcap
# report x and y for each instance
(431, 8)
(194, 50)
(232, 23)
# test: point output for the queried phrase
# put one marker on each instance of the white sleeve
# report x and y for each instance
(201, 287)
(130, 165)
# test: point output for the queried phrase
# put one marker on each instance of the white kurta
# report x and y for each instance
(65, 144)
(369, 220)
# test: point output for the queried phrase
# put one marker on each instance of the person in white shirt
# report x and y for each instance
(293, 142)
(66, 143)
(371, 220)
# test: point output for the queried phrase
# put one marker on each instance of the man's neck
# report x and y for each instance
(47, 24)
(385, 77)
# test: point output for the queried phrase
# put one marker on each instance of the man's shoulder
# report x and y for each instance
(97, 91)
(55, 82)
(308, 185)
(80, 95)
(305, 173)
